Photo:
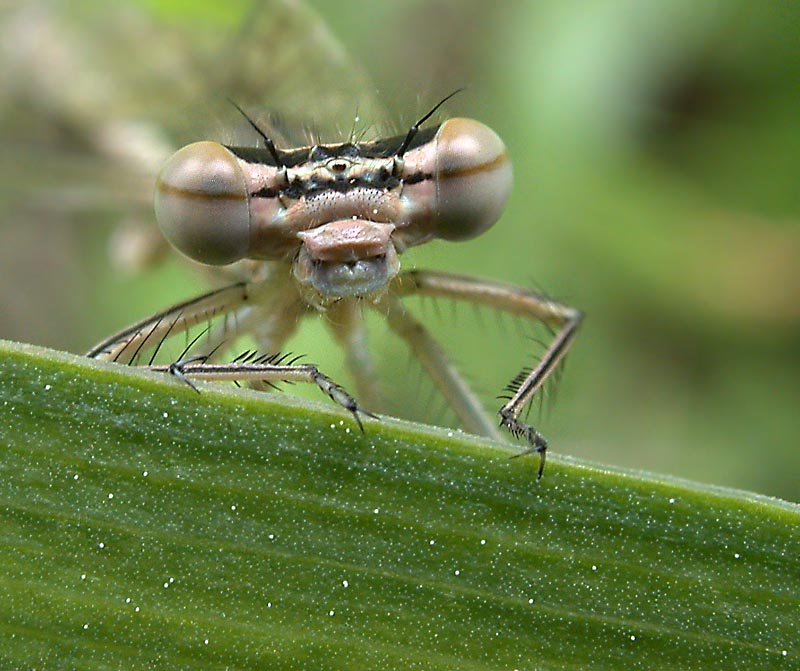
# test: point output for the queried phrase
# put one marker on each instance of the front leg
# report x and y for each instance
(263, 368)
(515, 300)
(148, 334)
(269, 310)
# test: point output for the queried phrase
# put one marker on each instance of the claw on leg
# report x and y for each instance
(340, 396)
(537, 442)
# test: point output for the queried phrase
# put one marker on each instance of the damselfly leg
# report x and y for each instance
(499, 296)
(254, 307)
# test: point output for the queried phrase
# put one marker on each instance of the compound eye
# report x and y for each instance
(473, 179)
(202, 204)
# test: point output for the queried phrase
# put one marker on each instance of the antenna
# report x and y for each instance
(268, 143)
(415, 128)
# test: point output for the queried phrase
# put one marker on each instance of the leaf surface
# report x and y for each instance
(145, 526)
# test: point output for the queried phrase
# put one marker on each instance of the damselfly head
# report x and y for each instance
(340, 213)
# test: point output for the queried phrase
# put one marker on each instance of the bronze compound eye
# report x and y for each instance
(473, 179)
(202, 204)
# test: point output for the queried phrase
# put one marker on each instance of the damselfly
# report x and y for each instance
(319, 229)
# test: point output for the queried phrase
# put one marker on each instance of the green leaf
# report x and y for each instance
(147, 526)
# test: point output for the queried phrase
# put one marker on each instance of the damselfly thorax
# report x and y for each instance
(330, 223)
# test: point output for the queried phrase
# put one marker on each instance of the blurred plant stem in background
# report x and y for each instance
(656, 150)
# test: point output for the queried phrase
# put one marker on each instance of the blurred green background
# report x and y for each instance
(656, 148)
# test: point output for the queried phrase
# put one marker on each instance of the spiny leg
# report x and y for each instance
(267, 368)
(444, 374)
(149, 333)
(259, 306)
(515, 300)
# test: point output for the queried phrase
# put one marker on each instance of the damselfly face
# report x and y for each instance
(340, 214)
